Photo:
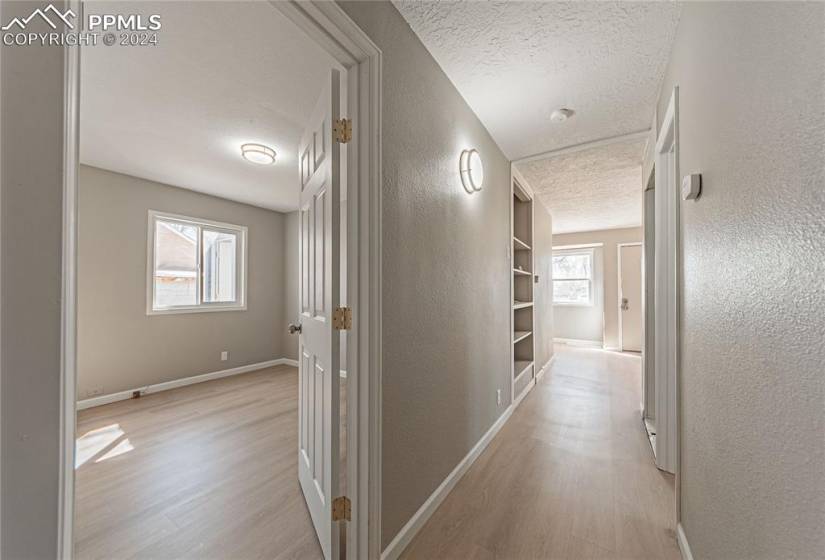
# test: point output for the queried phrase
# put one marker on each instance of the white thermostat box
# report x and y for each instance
(691, 186)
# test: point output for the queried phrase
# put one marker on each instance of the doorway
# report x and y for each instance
(329, 28)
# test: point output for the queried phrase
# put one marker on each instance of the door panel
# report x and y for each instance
(631, 297)
(318, 404)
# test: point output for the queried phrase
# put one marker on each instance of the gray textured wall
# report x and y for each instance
(120, 347)
(446, 281)
(31, 187)
(751, 83)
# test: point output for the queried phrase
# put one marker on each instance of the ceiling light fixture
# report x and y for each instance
(472, 170)
(561, 115)
(258, 153)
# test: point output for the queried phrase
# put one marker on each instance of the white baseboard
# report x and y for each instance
(684, 547)
(411, 528)
(527, 389)
(544, 368)
(577, 342)
(123, 395)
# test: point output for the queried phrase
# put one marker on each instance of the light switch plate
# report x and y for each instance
(691, 186)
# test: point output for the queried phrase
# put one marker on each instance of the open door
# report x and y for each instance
(318, 393)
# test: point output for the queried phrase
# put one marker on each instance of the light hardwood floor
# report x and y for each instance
(212, 474)
(571, 475)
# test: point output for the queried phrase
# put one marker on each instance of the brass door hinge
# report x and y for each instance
(341, 509)
(342, 319)
(342, 130)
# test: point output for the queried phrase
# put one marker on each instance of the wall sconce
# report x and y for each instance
(472, 170)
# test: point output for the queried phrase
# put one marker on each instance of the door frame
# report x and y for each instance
(619, 293)
(666, 289)
(334, 31)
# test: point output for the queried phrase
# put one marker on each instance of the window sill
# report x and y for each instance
(572, 304)
(199, 309)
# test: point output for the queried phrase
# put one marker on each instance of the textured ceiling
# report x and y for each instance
(223, 73)
(515, 62)
(598, 188)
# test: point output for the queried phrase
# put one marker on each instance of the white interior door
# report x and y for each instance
(630, 297)
(318, 404)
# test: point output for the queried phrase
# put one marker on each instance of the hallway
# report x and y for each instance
(570, 475)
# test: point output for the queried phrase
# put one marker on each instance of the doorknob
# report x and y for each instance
(624, 304)
(293, 328)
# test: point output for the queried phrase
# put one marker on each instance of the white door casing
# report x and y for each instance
(318, 346)
(666, 289)
(630, 297)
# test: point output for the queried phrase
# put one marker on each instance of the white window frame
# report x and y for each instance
(241, 265)
(591, 255)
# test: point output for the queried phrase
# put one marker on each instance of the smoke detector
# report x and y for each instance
(561, 115)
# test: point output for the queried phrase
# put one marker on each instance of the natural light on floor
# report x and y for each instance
(90, 444)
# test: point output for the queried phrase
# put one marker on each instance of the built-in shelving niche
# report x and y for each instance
(523, 311)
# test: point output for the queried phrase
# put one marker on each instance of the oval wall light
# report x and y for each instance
(472, 170)
(258, 153)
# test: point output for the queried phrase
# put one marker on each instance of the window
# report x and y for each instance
(573, 277)
(195, 265)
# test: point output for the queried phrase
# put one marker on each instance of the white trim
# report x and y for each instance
(602, 229)
(518, 184)
(328, 25)
(241, 267)
(681, 538)
(586, 146)
(544, 368)
(68, 319)
(411, 528)
(666, 290)
(527, 388)
(619, 292)
(579, 246)
(183, 382)
(579, 342)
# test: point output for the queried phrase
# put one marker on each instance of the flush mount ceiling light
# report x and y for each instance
(561, 115)
(258, 153)
(472, 170)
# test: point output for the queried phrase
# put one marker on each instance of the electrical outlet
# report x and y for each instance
(498, 397)
(224, 355)
(94, 392)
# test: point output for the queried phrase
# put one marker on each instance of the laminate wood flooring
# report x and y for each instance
(570, 476)
(203, 471)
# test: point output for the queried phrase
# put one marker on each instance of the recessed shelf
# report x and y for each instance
(518, 272)
(519, 367)
(522, 304)
(520, 245)
(518, 336)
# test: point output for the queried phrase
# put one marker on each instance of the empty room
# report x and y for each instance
(188, 252)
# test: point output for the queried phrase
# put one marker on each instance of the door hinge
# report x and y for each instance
(341, 508)
(342, 130)
(342, 319)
